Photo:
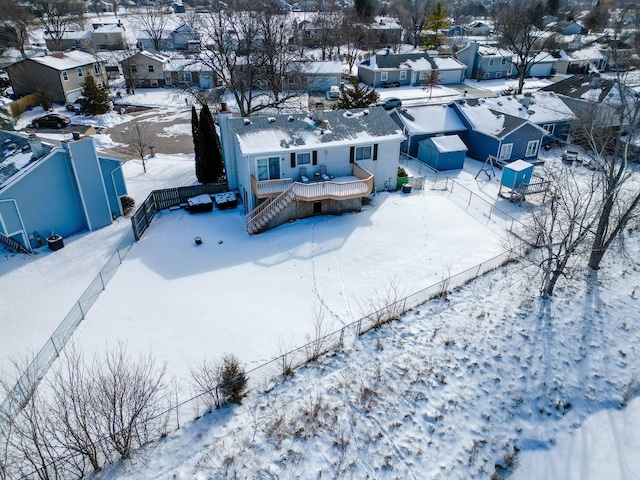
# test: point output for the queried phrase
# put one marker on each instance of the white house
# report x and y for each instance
(295, 166)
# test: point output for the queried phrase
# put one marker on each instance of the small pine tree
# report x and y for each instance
(233, 380)
(195, 132)
(356, 97)
(97, 98)
(436, 21)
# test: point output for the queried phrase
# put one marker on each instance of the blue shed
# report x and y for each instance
(443, 153)
(516, 173)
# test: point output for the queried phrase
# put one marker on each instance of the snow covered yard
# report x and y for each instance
(445, 393)
(255, 295)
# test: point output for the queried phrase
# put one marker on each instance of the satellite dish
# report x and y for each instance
(530, 112)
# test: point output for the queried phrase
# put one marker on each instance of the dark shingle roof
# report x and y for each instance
(577, 85)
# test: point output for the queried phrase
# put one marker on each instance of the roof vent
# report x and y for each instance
(500, 103)
(290, 118)
(247, 121)
(271, 120)
(348, 114)
(365, 111)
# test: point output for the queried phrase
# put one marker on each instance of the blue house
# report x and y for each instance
(490, 132)
(64, 190)
(486, 62)
(545, 109)
(420, 123)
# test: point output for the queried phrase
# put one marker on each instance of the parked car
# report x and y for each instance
(52, 120)
(390, 103)
(77, 103)
(333, 93)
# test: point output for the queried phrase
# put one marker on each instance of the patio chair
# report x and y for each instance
(303, 175)
(323, 172)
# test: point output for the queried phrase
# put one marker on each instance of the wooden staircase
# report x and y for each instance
(258, 219)
(12, 244)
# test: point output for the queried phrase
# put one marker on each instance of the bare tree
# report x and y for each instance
(328, 36)
(354, 38)
(140, 141)
(152, 20)
(610, 137)
(412, 15)
(559, 229)
(73, 410)
(15, 21)
(518, 27)
(130, 395)
(249, 52)
(431, 81)
(58, 16)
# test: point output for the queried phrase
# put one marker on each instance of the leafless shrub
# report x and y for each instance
(386, 305)
(317, 342)
(221, 381)
(630, 389)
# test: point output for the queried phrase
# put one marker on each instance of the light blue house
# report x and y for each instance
(64, 190)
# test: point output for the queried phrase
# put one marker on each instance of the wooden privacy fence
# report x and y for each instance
(18, 107)
(167, 198)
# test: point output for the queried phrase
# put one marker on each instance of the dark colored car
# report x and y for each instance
(390, 103)
(77, 103)
(52, 120)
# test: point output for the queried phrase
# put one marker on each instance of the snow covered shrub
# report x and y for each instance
(233, 380)
(128, 204)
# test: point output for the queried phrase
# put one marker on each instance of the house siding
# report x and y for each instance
(92, 187)
(61, 211)
(114, 184)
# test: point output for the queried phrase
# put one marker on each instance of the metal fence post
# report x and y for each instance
(101, 280)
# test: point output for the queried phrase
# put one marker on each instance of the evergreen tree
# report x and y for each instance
(356, 97)
(436, 21)
(195, 132)
(553, 7)
(97, 98)
(212, 167)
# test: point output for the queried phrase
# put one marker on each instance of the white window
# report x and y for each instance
(65, 76)
(403, 75)
(487, 75)
(550, 128)
(498, 74)
(491, 62)
(363, 153)
(505, 151)
(184, 77)
(151, 68)
(79, 70)
(97, 68)
(303, 158)
(384, 76)
(504, 61)
(532, 148)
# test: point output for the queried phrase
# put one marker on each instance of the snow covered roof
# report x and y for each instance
(429, 120)
(66, 60)
(448, 63)
(81, 35)
(491, 51)
(186, 64)
(448, 143)
(488, 121)
(15, 156)
(110, 28)
(592, 52)
(417, 61)
(300, 132)
(154, 56)
(322, 68)
(386, 23)
(544, 107)
(593, 89)
(518, 166)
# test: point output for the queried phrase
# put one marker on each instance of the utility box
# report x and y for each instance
(516, 173)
